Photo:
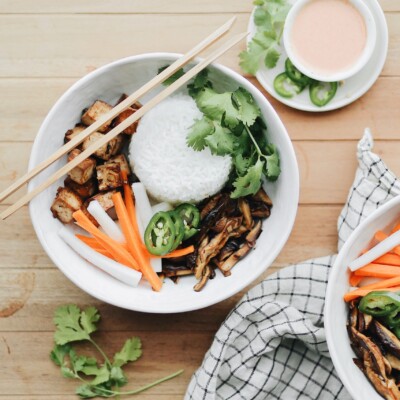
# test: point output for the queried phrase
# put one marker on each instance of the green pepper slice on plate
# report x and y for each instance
(191, 218)
(295, 75)
(179, 229)
(286, 87)
(321, 93)
(159, 235)
(379, 303)
(392, 320)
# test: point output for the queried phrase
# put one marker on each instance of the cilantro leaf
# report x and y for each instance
(218, 105)
(249, 110)
(118, 377)
(58, 354)
(88, 319)
(67, 319)
(272, 57)
(198, 133)
(200, 82)
(263, 18)
(131, 351)
(86, 391)
(250, 58)
(221, 142)
(249, 183)
(174, 77)
(272, 168)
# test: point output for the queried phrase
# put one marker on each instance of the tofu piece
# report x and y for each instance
(71, 133)
(94, 112)
(65, 204)
(122, 162)
(86, 190)
(108, 150)
(83, 171)
(109, 176)
(105, 200)
(131, 129)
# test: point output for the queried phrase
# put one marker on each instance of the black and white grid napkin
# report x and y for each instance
(272, 344)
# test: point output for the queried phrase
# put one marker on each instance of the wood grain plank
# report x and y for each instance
(326, 168)
(84, 37)
(27, 369)
(138, 6)
(24, 111)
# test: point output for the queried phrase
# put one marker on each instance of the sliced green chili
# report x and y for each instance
(159, 236)
(179, 229)
(379, 304)
(191, 218)
(321, 93)
(286, 87)
(295, 75)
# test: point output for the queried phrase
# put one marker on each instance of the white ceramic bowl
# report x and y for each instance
(336, 310)
(107, 83)
(361, 62)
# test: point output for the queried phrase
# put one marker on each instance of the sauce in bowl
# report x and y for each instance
(328, 36)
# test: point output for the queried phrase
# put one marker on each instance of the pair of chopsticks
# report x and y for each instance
(216, 35)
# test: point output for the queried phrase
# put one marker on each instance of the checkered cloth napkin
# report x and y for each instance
(272, 344)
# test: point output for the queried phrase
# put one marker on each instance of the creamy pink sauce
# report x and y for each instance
(328, 36)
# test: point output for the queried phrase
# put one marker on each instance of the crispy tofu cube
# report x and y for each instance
(86, 190)
(65, 204)
(94, 112)
(83, 171)
(122, 162)
(131, 129)
(108, 150)
(71, 133)
(109, 176)
(105, 200)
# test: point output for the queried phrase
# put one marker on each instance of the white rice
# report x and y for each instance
(169, 169)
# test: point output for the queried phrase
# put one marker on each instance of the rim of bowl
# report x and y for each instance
(370, 26)
(259, 98)
(335, 271)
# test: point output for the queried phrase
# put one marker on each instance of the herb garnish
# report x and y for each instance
(269, 18)
(75, 325)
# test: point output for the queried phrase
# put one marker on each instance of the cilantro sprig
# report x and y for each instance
(97, 379)
(232, 125)
(269, 18)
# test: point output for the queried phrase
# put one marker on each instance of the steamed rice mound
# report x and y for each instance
(169, 169)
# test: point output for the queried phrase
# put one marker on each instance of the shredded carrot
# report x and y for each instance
(91, 241)
(129, 204)
(118, 252)
(94, 244)
(378, 271)
(134, 243)
(354, 280)
(176, 253)
(388, 259)
(363, 292)
(386, 283)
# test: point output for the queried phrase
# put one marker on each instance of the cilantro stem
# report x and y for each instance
(106, 359)
(143, 388)
(253, 140)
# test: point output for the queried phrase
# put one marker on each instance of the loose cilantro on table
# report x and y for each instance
(98, 380)
(269, 18)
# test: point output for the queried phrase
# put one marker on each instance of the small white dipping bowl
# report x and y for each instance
(107, 83)
(336, 310)
(314, 74)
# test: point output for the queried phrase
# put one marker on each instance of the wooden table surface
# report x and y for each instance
(45, 46)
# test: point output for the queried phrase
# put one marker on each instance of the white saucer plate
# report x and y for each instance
(349, 90)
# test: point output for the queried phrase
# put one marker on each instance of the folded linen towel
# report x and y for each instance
(272, 344)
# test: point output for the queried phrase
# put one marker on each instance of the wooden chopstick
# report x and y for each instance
(122, 126)
(204, 44)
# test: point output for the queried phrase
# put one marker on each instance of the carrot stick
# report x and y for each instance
(92, 242)
(177, 253)
(363, 292)
(378, 271)
(129, 204)
(94, 245)
(386, 283)
(134, 244)
(388, 259)
(380, 236)
(354, 280)
(119, 253)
